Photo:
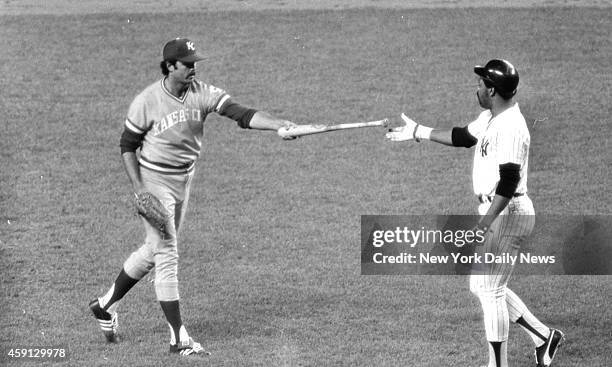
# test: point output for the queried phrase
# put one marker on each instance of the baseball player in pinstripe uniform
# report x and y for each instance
(502, 141)
(165, 122)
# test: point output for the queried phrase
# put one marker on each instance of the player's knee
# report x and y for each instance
(135, 271)
(166, 266)
(491, 296)
(495, 292)
(137, 265)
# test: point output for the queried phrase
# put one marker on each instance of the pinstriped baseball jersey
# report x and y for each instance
(174, 127)
(502, 139)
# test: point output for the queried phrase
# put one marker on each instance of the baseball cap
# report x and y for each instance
(181, 49)
(501, 74)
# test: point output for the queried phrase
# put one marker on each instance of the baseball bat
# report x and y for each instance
(309, 129)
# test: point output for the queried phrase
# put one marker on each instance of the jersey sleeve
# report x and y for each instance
(214, 98)
(137, 121)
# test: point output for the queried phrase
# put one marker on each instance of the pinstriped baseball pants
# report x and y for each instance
(489, 281)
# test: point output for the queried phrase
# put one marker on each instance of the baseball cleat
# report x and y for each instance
(188, 347)
(546, 353)
(108, 322)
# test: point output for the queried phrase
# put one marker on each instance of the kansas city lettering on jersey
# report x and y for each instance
(176, 117)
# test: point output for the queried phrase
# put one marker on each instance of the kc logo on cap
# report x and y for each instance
(181, 49)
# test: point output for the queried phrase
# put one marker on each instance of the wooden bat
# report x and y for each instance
(302, 130)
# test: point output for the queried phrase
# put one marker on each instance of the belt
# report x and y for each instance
(165, 168)
(489, 198)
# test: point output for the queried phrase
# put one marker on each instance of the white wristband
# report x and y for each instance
(422, 132)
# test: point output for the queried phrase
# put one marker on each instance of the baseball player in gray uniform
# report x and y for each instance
(500, 166)
(165, 123)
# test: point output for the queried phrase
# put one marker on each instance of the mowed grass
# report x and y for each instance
(269, 262)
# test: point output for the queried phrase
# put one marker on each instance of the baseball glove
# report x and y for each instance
(153, 211)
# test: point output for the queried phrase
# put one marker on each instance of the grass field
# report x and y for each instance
(270, 249)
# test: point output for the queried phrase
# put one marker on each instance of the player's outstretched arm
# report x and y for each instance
(249, 118)
(411, 130)
(264, 121)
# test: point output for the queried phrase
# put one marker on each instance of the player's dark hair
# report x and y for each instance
(164, 66)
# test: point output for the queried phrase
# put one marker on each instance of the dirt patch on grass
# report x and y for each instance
(15, 7)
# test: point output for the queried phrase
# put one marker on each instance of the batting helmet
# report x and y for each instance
(501, 75)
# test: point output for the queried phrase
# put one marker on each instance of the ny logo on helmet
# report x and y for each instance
(190, 46)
